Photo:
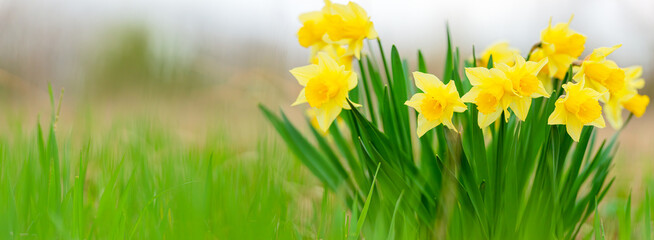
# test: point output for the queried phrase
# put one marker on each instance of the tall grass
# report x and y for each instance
(138, 180)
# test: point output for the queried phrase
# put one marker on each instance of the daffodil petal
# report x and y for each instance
(540, 91)
(447, 121)
(535, 68)
(327, 63)
(415, 100)
(485, 120)
(475, 75)
(426, 82)
(599, 122)
(301, 98)
(305, 73)
(425, 125)
(633, 72)
(351, 81)
(326, 115)
(521, 107)
(573, 126)
(558, 116)
(471, 95)
(459, 106)
(372, 33)
(613, 112)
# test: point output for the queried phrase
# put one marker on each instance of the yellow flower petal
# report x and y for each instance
(574, 127)
(301, 98)
(471, 95)
(351, 81)
(602, 52)
(559, 115)
(326, 115)
(427, 82)
(305, 73)
(484, 120)
(613, 113)
(447, 121)
(637, 105)
(475, 75)
(521, 107)
(415, 100)
(327, 63)
(599, 122)
(425, 125)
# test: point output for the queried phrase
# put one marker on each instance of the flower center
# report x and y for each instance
(488, 99)
(586, 109)
(322, 89)
(432, 107)
(597, 72)
(615, 81)
(527, 85)
(340, 28)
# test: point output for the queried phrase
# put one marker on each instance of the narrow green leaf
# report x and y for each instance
(364, 212)
(598, 226)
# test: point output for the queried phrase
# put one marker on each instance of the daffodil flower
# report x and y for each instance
(525, 83)
(626, 96)
(502, 53)
(436, 104)
(313, 30)
(326, 86)
(491, 91)
(601, 74)
(350, 24)
(580, 106)
(637, 104)
(561, 45)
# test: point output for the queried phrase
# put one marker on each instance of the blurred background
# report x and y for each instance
(198, 63)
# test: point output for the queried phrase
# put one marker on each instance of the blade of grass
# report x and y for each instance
(364, 211)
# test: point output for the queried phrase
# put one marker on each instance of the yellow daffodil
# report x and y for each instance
(601, 74)
(580, 106)
(314, 28)
(491, 91)
(502, 53)
(618, 100)
(561, 45)
(637, 104)
(338, 53)
(350, 24)
(326, 86)
(436, 104)
(525, 84)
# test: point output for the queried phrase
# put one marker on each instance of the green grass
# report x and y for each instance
(139, 180)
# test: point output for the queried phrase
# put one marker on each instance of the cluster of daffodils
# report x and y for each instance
(335, 35)
(600, 88)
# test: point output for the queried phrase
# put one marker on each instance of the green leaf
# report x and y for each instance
(364, 212)
(308, 154)
(598, 226)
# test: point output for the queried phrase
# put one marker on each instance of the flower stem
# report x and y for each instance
(366, 89)
(383, 56)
